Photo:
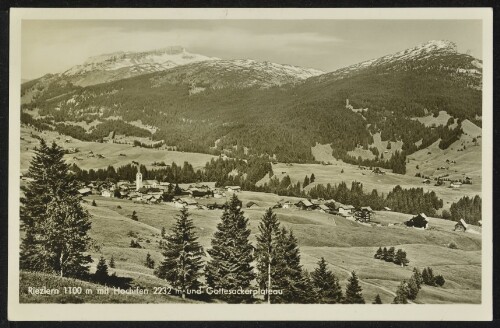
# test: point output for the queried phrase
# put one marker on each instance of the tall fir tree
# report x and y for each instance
(101, 274)
(417, 275)
(353, 292)
(379, 254)
(54, 222)
(401, 294)
(265, 254)
(231, 254)
(412, 288)
(326, 284)
(182, 262)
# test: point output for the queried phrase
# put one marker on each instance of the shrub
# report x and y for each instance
(452, 245)
(439, 280)
(94, 203)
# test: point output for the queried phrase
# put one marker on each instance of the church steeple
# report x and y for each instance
(138, 179)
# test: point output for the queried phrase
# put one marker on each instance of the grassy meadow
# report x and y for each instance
(346, 246)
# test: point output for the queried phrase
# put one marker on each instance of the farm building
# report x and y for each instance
(252, 204)
(461, 225)
(305, 205)
(150, 183)
(367, 209)
(233, 188)
(85, 191)
(363, 215)
(345, 210)
(419, 221)
(106, 193)
(455, 184)
(185, 202)
(323, 208)
(287, 204)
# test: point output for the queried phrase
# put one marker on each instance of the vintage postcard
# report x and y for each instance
(250, 164)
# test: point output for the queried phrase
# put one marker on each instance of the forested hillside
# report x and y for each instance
(218, 112)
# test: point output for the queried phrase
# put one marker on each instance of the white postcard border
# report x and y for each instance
(206, 312)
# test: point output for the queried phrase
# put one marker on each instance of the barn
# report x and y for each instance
(461, 225)
(419, 221)
(252, 204)
(305, 205)
(85, 191)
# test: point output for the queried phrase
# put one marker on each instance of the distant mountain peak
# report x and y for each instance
(124, 64)
(433, 53)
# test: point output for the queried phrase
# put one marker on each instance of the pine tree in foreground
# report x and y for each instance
(54, 222)
(265, 253)
(401, 294)
(182, 262)
(377, 300)
(101, 274)
(231, 254)
(353, 290)
(326, 284)
(290, 277)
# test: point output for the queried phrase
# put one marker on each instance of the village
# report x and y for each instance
(207, 196)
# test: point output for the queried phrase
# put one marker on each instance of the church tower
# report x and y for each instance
(138, 180)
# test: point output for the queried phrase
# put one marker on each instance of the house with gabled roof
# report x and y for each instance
(461, 225)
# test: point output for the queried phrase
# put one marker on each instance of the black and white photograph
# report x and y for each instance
(270, 157)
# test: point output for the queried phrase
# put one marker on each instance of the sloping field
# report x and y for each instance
(345, 244)
(110, 151)
(383, 183)
(32, 279)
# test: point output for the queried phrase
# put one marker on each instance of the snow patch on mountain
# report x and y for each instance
(139, 62)
(277, 70)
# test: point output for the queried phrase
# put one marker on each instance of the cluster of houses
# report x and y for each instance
(331, 207)
(154, 192)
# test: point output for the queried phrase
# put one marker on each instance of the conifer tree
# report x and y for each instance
(54, 222)
(101, 274)
(428, 277)
(439, 280)
(401, 294)
(94, 203)
(150, 263)
(182, 262)
(306, 182)
(412, 288)
(134, 216)
(417, 275)
(384, 254)
(306, 293)
(266, 250)
(377, 300)
(379, 254)
(231, 254)
(112, 262)
(353, 290)
(163, 232)
(326, 284)
(312, 178)
(400, 258)
(390, 255)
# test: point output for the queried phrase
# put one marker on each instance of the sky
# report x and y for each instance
(53, 46)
